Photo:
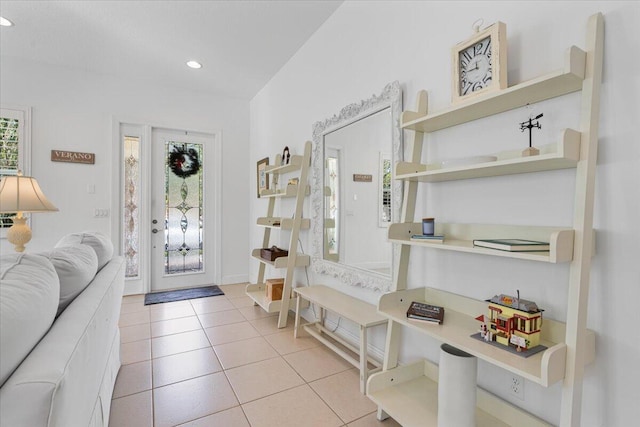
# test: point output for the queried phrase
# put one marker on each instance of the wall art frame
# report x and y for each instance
(262, 177)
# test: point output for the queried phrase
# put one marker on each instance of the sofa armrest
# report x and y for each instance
(60, 380)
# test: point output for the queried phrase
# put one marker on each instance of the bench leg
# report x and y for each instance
(381, 415)
(320, 318)
(363, 360)
(297, 318)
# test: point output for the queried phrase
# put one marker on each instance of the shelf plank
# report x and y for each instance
(561, 82)
(282, 223)
(409, 394)
(459, 237)
(302, 260)
(561, 155)
(295, 164)
(256, 292)
(290, 191)
(544, 368)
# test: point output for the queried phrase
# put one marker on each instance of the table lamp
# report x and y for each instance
(20, 194)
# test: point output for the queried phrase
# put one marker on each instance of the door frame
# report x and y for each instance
(144, 130)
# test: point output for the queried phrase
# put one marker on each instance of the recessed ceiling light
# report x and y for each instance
(4, 22)
(194, 64)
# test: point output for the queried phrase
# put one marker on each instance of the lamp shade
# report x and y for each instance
(22, 194)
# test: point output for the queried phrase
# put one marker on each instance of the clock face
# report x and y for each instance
(475, 67)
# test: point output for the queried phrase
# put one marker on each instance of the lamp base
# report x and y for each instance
(19, 234)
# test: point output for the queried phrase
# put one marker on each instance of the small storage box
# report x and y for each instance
(274, 289)
(270, 254)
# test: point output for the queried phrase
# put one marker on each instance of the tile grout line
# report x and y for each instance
(261, 334)
(223, 371)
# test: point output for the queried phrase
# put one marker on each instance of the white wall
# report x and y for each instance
(74, 110)
(365, 45)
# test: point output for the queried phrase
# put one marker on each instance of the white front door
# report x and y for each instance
(183, 209)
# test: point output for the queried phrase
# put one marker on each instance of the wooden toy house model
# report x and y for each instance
(514, 321)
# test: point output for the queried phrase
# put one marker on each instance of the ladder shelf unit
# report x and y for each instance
(409, 393)
(459, 237)
(544, 368)
(301, 260)
(257, 291)
(563, 154)
(567, 80)
(283, 223)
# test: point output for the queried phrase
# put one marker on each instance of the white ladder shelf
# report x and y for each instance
(408, 393)
(257, 291)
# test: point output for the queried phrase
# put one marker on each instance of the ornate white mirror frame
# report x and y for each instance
(391, 97)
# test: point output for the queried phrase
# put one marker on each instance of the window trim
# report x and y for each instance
(23, 114)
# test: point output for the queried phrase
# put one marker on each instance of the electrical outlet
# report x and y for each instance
(516, 386)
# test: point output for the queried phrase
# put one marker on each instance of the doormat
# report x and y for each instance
(182, 294)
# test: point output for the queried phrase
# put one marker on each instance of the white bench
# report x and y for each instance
(348, 307)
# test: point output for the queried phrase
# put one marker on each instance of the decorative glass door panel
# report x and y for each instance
(183, 231)
(182, 210)
(131, 223)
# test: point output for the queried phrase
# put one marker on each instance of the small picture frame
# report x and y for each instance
(286, 156)
(261, 175)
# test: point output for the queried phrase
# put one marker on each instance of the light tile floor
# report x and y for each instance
(221, 361)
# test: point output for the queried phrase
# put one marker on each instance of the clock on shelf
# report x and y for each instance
(479, 63)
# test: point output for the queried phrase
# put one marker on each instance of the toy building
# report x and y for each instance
(513, 322)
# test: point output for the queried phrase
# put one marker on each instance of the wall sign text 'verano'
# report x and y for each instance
(72, 157)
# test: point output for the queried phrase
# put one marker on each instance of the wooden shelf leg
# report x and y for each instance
(381, 415)
(579, 273)
(363, 359)
(297, 317)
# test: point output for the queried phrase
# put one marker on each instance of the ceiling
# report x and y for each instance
(241, 44)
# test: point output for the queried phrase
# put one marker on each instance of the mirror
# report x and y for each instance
(354, 196)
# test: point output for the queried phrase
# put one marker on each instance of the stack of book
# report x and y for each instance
(513, 245)
(427, 312)
(432, 238)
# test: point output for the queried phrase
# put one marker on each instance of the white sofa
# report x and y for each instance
(59, 336)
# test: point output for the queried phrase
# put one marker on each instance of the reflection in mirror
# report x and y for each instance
(353, 194)
(332, 222)
(356, 212)
(384, 193)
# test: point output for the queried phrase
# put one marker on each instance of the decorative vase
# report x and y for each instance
(456, 388)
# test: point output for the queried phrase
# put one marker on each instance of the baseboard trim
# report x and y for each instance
(238, 278)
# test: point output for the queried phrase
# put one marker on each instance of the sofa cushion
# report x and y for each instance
(76, 266)
(98, 241)
(29, 293)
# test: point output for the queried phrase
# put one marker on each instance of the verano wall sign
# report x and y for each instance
(361, 177)
(73, 157)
